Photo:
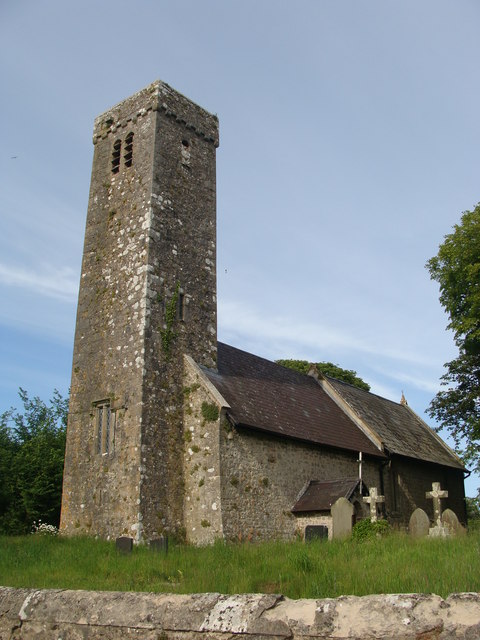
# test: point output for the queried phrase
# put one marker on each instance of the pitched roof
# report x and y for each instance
(399, 428)
(268, 397)
(320, 495)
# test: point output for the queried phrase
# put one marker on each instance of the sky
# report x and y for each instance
(349, 137)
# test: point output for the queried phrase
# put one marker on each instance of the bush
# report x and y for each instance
(44, 529)
(32, 449)
(368, 530)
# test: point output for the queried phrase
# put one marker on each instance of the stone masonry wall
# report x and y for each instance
(411, 479)
(182, 280)
(101, 490)
(28, 614)
(203, 416)
(147, 295)
(263, 475)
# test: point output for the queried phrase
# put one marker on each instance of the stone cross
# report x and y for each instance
(373, 499)
(437, 494)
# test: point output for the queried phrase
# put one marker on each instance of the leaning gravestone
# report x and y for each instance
(419, 524)
(451, 523)
(342, 513)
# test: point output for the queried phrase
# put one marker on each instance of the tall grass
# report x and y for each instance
(396, 564)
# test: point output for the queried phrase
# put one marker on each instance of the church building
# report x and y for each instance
(171, 432)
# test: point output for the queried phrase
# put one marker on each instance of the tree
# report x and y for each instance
(328, 369)
(456, 268)
(32, 449)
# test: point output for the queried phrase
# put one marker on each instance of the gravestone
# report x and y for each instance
(342, 514)
(373, 499)
(451, 523)
(124, 544)
(160, 545)
(316, 532)
(436, 494)
(419, 524)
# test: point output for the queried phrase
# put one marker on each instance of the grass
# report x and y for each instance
(395, 564)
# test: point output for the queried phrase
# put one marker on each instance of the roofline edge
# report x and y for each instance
(436, 436)
(211, 389)
(346, 408)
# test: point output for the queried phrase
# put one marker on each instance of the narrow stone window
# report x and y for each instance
(128, 157)
(185, 152)
(117, 150)
(104, 427)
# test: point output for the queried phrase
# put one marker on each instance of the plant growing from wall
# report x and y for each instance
(210, 411)
(167, 334)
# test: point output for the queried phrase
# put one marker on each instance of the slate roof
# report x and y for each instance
(268, 397)
(400, 429)
(320, 495)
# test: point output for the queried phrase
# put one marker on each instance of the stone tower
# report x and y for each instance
(147, 296)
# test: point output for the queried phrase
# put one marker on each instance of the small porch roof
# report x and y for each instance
(320, 495)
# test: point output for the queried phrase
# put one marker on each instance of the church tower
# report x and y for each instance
(147, 296)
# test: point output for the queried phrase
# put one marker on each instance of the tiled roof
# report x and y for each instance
(400, 429)
(271, 398)
(320, 495)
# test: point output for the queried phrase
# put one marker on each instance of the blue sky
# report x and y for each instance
(349, 137)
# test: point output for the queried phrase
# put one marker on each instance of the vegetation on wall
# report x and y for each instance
(328, 369)
(167, 334)
(210, 412)
(32, 449)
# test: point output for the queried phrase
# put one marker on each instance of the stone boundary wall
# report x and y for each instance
(28, 614)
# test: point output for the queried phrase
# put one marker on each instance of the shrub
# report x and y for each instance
(44, 529)
(368, 530)
(32, 449)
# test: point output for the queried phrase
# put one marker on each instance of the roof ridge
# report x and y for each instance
(371, 393)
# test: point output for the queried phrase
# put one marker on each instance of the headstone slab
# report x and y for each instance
(342, 513)
(451, 522)
(419, 524)
(316, 532)
(124, 544)
(160, 545)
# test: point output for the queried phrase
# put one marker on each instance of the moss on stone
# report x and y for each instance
(210, 412)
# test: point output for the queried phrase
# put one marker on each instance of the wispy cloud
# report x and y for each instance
(61, 283)
(294, 336)
(415, 379)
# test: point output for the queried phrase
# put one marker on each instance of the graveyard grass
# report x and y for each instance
(394, 564)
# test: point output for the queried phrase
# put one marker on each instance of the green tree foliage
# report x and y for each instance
(32, 449)
(456, 268)
(328, 369)
(473, 510)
